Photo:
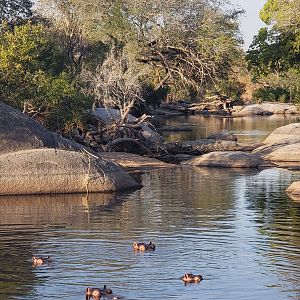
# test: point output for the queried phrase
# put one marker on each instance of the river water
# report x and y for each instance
(248, 129)
(237, 228)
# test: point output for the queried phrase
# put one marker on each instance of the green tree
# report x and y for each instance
(33, 77)
(274, 54)
(284, 14)
(177, 40)
(75, 27)
(174, 41)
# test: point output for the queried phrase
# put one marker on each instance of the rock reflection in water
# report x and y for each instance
(22, 223)
(247, 129)
(46, 209)
(237, 228)
(278, 219)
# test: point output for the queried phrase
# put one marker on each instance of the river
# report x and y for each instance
(247, 129)
(237, 228)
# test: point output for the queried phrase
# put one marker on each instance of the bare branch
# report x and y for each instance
(115, 85)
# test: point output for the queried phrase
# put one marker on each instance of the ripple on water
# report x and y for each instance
(236, 228)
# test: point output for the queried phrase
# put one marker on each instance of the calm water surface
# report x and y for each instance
(235, 227)
(247, 129)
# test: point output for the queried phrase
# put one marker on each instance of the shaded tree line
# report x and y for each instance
(274, 54)
(61, 57)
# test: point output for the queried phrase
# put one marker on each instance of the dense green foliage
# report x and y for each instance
(33, 76)
(49, 65)
(274, 54)
(282, 13)
(187, 46)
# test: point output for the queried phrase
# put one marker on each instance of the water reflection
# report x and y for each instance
(45, 209)
(247, 129)
(235, 227)
(27, 220)
(279, 220)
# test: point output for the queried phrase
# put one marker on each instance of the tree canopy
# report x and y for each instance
(274, 54)
(284, 14)
(33, 77)
(174, 48)
(183, 44)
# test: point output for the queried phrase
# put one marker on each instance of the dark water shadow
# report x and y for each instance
(24, 220)
(52, 208)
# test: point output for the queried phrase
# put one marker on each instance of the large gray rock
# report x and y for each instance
(50, 171)
(279, 108)
(285, 156)
(252, 110)
(267, 109)
(228, 159)
(282, 136)
(19, 132)
(287, 134)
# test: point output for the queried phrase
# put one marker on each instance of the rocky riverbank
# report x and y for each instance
(36, 161)
(227, 108)
(280, 149)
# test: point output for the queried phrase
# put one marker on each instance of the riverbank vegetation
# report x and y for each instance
(274, 54)
(60, 58)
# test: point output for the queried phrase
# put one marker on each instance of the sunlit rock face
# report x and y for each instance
(266, 109)
(50, 171)
(34, 160)
(282, 146)
(226, 159)
(294, 190)
(287, 134)
(288, 155)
